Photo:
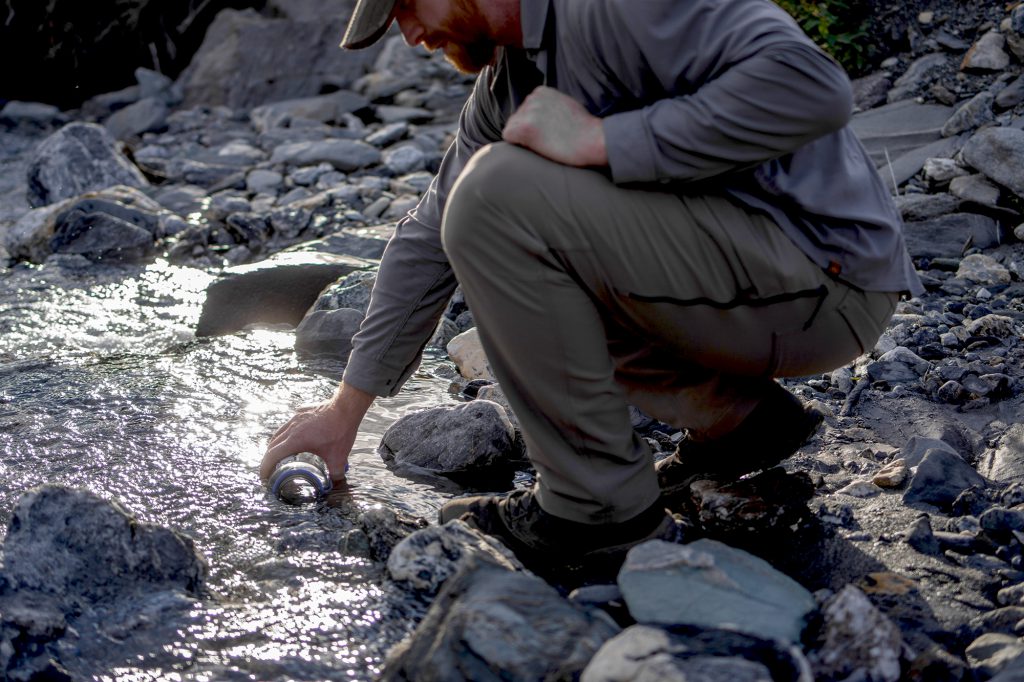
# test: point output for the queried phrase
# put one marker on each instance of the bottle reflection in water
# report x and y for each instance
(300, 478)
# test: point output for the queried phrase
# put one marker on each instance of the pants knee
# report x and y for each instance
(497, 182)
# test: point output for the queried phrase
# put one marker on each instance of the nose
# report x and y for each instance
(411, 29)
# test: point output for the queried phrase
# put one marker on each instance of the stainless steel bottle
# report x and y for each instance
(300, 478)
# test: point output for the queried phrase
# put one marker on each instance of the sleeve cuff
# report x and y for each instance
(371, 376)
(630, 147)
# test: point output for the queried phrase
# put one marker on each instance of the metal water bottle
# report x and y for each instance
(300, 478)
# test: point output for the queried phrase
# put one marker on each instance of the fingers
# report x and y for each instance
(272, 457)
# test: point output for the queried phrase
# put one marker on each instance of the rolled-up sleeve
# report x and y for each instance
(415, 281)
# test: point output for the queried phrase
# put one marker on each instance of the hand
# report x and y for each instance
(327, 429)
(557, 127)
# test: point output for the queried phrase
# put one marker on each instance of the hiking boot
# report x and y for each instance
(557, 549)
(776, 428)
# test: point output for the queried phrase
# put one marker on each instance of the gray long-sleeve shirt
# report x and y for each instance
(711, 96)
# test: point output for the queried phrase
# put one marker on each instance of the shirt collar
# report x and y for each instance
(533, 17)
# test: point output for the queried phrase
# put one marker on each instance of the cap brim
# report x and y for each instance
(370, 20)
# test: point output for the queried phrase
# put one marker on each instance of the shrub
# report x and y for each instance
(837, 27)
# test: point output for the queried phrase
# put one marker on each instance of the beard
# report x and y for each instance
(467, 44)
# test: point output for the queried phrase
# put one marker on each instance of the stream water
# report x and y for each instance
(103, 386)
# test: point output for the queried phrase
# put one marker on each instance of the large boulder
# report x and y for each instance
(78, 158)
(999, 154)
(248, 60)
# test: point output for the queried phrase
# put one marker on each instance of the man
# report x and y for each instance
(649, 202)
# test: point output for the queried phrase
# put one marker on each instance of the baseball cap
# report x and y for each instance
(370, 19)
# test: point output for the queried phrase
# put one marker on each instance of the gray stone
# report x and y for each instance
(490, 624)
(939, 171)
(914, 451)
(247, 60)
(921, 537)
(388, 134)
(1006, 463)
(939, 478)
(147, 115)
(909, 163)
(975, 189)
(925, 206)
(394, 114)
(384, 528)
(1011, 95)
(329, 108)
(426, 558)
(83, 550)
(352, 291)
(1001, 522)
(857, 639)
(709, 584)
(870, 91)
(974, 113)
(991, 653)
(1005, 620)
(987, 54)
(152, 83)
(981, 269)
(998, 153)
(899, 128)
(36, 113)
(404, 159)
(946, 236)
(898, 365)
(100, 236)
(999, 326)
(345, 243)
(918, 76)
(471, 439)
(641, 653)
(181, 199)
(277, 290)
(262, 181)
(328, 333)
(344, 155)
(78, 158)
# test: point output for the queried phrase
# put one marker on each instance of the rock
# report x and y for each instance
(976, 189)
(860, 489)
(909, 163)
(472, 439)
(78, 158)
(384, 528)
(100, 236)
(279, 289)
(926, 206)
(344, 155)
(857, 639)
(247, 60)
(261, 181)
(917, 446)
(945, 237)
(892, 475)
(344, 243)
(394, 114)
(987, 54)
(426, 558)
(709, 584)
(870, 91)
(467, 352)
(1002, 522)
(388, 134)
(899, 128)
(352, 291)
(940, 477)
(641, 652)
(494, 393)
(328, 333)
(898, 365)
(1005, 464)
(999, 326)
(941, 171)
(998, 153)
(921, 537)
(330, 108)
(404, 159)
(992, 653)
(918, 76)
(490, 624)
(147, 115)
(974, 113)
(32, 113)
(82, 550)
(1004, 620)
(981, 269)
(1011, 95)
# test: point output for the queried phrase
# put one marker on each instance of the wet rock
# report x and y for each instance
(100, 236)
(939, 478)
(491, 624)
(465, 441)
(247, 60)
(344, 155)
(946, 236)
(279, 289)
(344, 243)
(1006, 463)
(974, 113)
(384, 528)
(78, 158)
(857, 639)
(147, 115)
(998, 153)
(987, 54)
(981, 269)
(641, 652)
(426, 558)
(993, 653)
(976, 189)
(467, 352)
(709, 584)
(351, 291)
(328, 333)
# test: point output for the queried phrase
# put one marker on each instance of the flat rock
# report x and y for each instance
(946, 236)
(899, 128)
(918, 76)
(972, 114)
(925, 206)
(277, 290)
(981, 269)
(975, 189)
(909, 163)
(1006, 463)
(709, 584)
(998, 153)
(489, 624)
(329, 108)
(78, 158)
(147, 115)
(345, 155)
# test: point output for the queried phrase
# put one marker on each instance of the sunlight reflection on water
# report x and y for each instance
(103, 386)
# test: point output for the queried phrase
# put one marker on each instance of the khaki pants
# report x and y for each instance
(589, 297)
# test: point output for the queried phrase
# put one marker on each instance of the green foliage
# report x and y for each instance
(837, 27)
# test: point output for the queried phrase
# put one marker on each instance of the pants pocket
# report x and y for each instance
(867, 313)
